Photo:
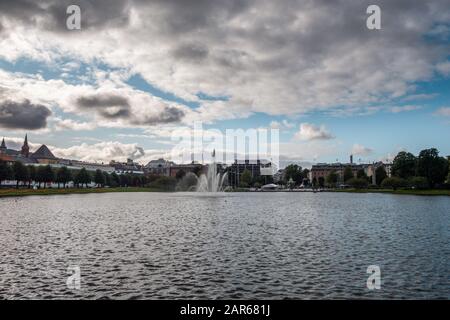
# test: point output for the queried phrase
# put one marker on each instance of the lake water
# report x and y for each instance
(234, 245)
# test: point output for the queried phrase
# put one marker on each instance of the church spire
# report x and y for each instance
(25, 148)
(3, 145)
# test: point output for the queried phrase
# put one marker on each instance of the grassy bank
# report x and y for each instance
(405, 191)
(43, 192)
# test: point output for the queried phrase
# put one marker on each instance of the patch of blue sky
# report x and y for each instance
(136, 81)
(206, 97)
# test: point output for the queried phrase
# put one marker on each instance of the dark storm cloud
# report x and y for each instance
(51, 15)
(109, 106)
(23, 115)
(102, 100)
(137, 153)
(168, 115)
(181, 16)
(191, 51)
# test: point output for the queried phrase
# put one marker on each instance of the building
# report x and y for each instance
(4, 156)
(41, 156)
(89, 166)
(258, 168)
(130, 167)
(193, 167)
(159, 167)
(25, 151)
(322, 170)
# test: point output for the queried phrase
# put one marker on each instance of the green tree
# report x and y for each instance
(305, 174)
(31, 175)
(294, 172)
(321, 182)
(83, 177)
(404, 165)
(115, 180)
(380, 175)
(40, 175)
(332, 179)
(136, 181)
(361, 174)
(180, 174)
(124, 180)
(164, 183)
(432, 167)
(420, 183)
(20, 173)
(394, 183)
(99, 178)
(5, 171)
(63, 175)
(358, 183)
(348, 173)
(246, 179)
(107, 179)
(48, 175)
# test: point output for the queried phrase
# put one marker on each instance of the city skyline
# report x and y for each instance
(331, 86)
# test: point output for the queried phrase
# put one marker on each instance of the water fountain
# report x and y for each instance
(213, 180)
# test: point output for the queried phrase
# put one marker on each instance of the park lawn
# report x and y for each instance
(42, 192)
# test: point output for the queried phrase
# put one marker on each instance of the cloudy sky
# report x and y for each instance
(138, 70)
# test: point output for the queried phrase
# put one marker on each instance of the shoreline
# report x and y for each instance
(44, 192)
(431, 192)
(4, 193)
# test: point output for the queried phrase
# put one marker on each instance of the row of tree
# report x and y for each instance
(295, 175)
(45, 175)
(428, 165)
(427, 170)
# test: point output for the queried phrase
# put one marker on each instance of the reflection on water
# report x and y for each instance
(235, 245)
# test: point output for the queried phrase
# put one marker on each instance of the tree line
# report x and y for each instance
(44, 176)
(426, 171)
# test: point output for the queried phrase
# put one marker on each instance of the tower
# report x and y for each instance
(3, 146)
(25, 148)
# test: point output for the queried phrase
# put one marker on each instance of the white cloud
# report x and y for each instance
(107, 151)
(284, 124)
(444, 68)
(398, 109)
(444, 111)
(360, 150)
(309, 132)
(420, 96)
(68, 124)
